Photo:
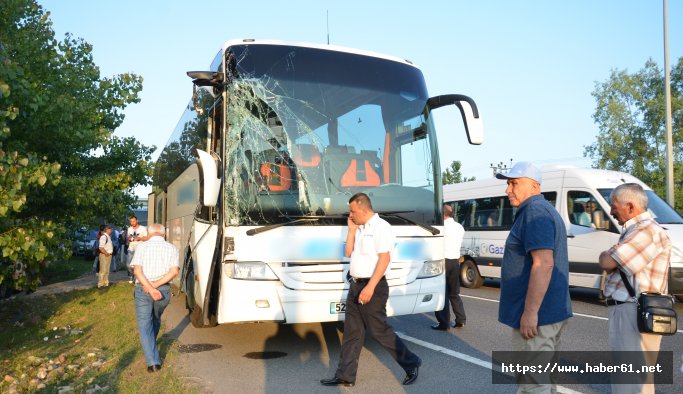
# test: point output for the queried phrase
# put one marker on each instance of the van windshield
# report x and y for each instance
(658, 207)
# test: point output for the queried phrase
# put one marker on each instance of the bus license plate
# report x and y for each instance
(337, 307)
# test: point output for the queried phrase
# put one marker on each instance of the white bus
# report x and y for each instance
(285, 134)
(581, 196)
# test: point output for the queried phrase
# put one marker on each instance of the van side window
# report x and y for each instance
(584, 210)
(461, 210)
(551, 197)
(490, 213)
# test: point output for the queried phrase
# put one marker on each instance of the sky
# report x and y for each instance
(531, 65)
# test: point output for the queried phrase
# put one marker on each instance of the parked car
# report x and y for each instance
(83, 242)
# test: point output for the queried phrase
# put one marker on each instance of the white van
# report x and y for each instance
(581, 195)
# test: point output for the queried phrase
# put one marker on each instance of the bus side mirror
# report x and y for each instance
(211, 80)
(474, 125)
(209, 182)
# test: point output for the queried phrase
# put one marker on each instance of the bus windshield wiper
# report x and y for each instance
(396, 214)
(263, 229)
(315, 218)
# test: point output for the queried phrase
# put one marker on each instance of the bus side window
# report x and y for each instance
(215, 126)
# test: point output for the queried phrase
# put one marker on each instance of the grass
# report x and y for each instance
(61, 271)
(79, 339)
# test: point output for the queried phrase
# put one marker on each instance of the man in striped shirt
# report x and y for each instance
(643, 254)
(154, 263)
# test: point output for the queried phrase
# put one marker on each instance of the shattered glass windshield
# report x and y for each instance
(307, 128)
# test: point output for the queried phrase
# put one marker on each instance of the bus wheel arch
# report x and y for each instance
(191, 288)
(469, 274)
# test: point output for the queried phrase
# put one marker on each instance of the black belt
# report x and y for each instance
(611, 302)
(362, 280)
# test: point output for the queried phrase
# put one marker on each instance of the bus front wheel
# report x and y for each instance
(469, 275)
(194, 310)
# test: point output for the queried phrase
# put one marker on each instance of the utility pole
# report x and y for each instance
(500, 167)
(669, 137)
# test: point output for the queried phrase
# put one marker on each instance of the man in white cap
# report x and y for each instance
(534, 287)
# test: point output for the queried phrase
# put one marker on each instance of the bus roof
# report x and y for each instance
(251, 41)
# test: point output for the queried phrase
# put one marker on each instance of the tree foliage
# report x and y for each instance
(453, 175)
(61, 166)
(631, 115)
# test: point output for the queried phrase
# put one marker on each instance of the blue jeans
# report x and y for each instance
(148, 314)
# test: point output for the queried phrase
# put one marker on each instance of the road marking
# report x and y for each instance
(591, 316)
(575, 313)
(449, 352)
(465, 357)
(478, 298)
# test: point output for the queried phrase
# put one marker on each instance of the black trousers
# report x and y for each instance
(370, 318)
(452, 295)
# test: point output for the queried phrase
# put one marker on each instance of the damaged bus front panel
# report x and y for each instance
(295, 131)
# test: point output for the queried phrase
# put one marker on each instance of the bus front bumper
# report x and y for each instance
(244, 301)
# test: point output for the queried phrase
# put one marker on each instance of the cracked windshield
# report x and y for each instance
(306, 132)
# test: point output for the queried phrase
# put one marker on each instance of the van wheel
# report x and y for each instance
(469, 275)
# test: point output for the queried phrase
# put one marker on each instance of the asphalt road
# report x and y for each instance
(272, 358)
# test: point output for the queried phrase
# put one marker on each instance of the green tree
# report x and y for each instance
(453, 175)
(61, 166)
(630, 113)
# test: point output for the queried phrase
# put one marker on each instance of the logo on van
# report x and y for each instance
(492, 249)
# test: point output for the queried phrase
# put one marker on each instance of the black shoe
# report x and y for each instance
(154, 368)
(459, 325)
(439, 327)
(411, 375)
(336, 382)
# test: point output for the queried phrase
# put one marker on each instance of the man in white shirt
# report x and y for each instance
(106, 250)
(136, 234)
(155, 263)
(369, 243)
(453, 232)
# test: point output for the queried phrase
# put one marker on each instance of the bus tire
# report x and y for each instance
(190, 301)
(469, 275)
(194, 310)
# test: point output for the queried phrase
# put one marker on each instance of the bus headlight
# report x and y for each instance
(250, 270)
(431, 268)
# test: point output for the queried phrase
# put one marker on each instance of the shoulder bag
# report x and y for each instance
(656, 313)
